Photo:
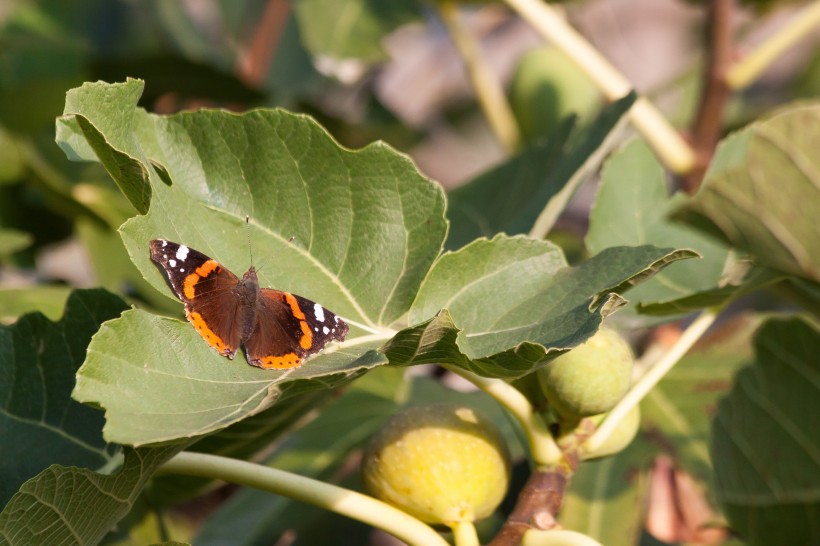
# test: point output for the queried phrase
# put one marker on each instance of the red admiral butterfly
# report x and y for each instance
(278, 329)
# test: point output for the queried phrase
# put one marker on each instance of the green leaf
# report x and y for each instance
(534, 185)
(751, 279)
(511, 303)
(158, 381)
(366, 225)
(49, 300)
(632, 208)
(67, 505)
(38, 360)
(761, 192)
(96, 127)
(764, 442)
(351, 29)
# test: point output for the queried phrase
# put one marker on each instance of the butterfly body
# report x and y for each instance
(278, 329)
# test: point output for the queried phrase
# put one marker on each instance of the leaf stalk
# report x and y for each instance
(324, 495)
(651, 378)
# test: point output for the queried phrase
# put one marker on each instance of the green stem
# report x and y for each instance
(655, 128)
(755, 63)
(487, 87)
(464, 534)
(324, 495)
(651, 378)
(545, 452)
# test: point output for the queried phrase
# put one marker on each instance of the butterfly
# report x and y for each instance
(277, 329)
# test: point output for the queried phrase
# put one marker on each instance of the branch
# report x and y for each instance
(708, 125)
(487, 88)
(755, 63)
(653, 126)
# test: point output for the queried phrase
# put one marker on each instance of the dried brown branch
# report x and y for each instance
(538, 503)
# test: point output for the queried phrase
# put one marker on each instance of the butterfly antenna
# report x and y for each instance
(248, 234)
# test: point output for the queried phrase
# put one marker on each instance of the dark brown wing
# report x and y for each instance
(289, 328)
(207, 289)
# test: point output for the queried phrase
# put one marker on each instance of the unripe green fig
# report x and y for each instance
(621, 437)
(442, 463)
(589, 379)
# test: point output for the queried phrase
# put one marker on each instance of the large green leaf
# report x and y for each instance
(39, 423)
(632, 208)
(511, 303)
(46, 299)
(537, 182)
(75, 506)
(761, 192)
(366, 225)
(353, 28)
(764, 443)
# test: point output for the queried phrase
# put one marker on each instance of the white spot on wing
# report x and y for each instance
(325, 330)
(318, 312)
(182, 253)
(164, 243)
(172, 262)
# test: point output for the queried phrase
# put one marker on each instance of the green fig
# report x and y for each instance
(589, 379)
(442, 463)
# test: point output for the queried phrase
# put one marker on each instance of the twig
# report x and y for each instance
(655, 128)
(537, 506)
(253, 66)
(708, 124)
(487, 87)
(752, 65)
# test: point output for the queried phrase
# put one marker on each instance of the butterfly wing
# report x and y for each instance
(289, 328)
(207, 289)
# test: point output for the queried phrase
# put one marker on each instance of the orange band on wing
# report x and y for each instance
(290, 360)
(207, 334)
(307, 335)
(202, 271)
(294, 306)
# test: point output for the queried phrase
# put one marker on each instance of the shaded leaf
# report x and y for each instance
(534, 185)
(764, 441)
(68, 505)
(632, 208)
(38, 360)
(511, 303)
(761, 192)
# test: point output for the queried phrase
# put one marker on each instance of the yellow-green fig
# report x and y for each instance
(589, 379)
(442, 463)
